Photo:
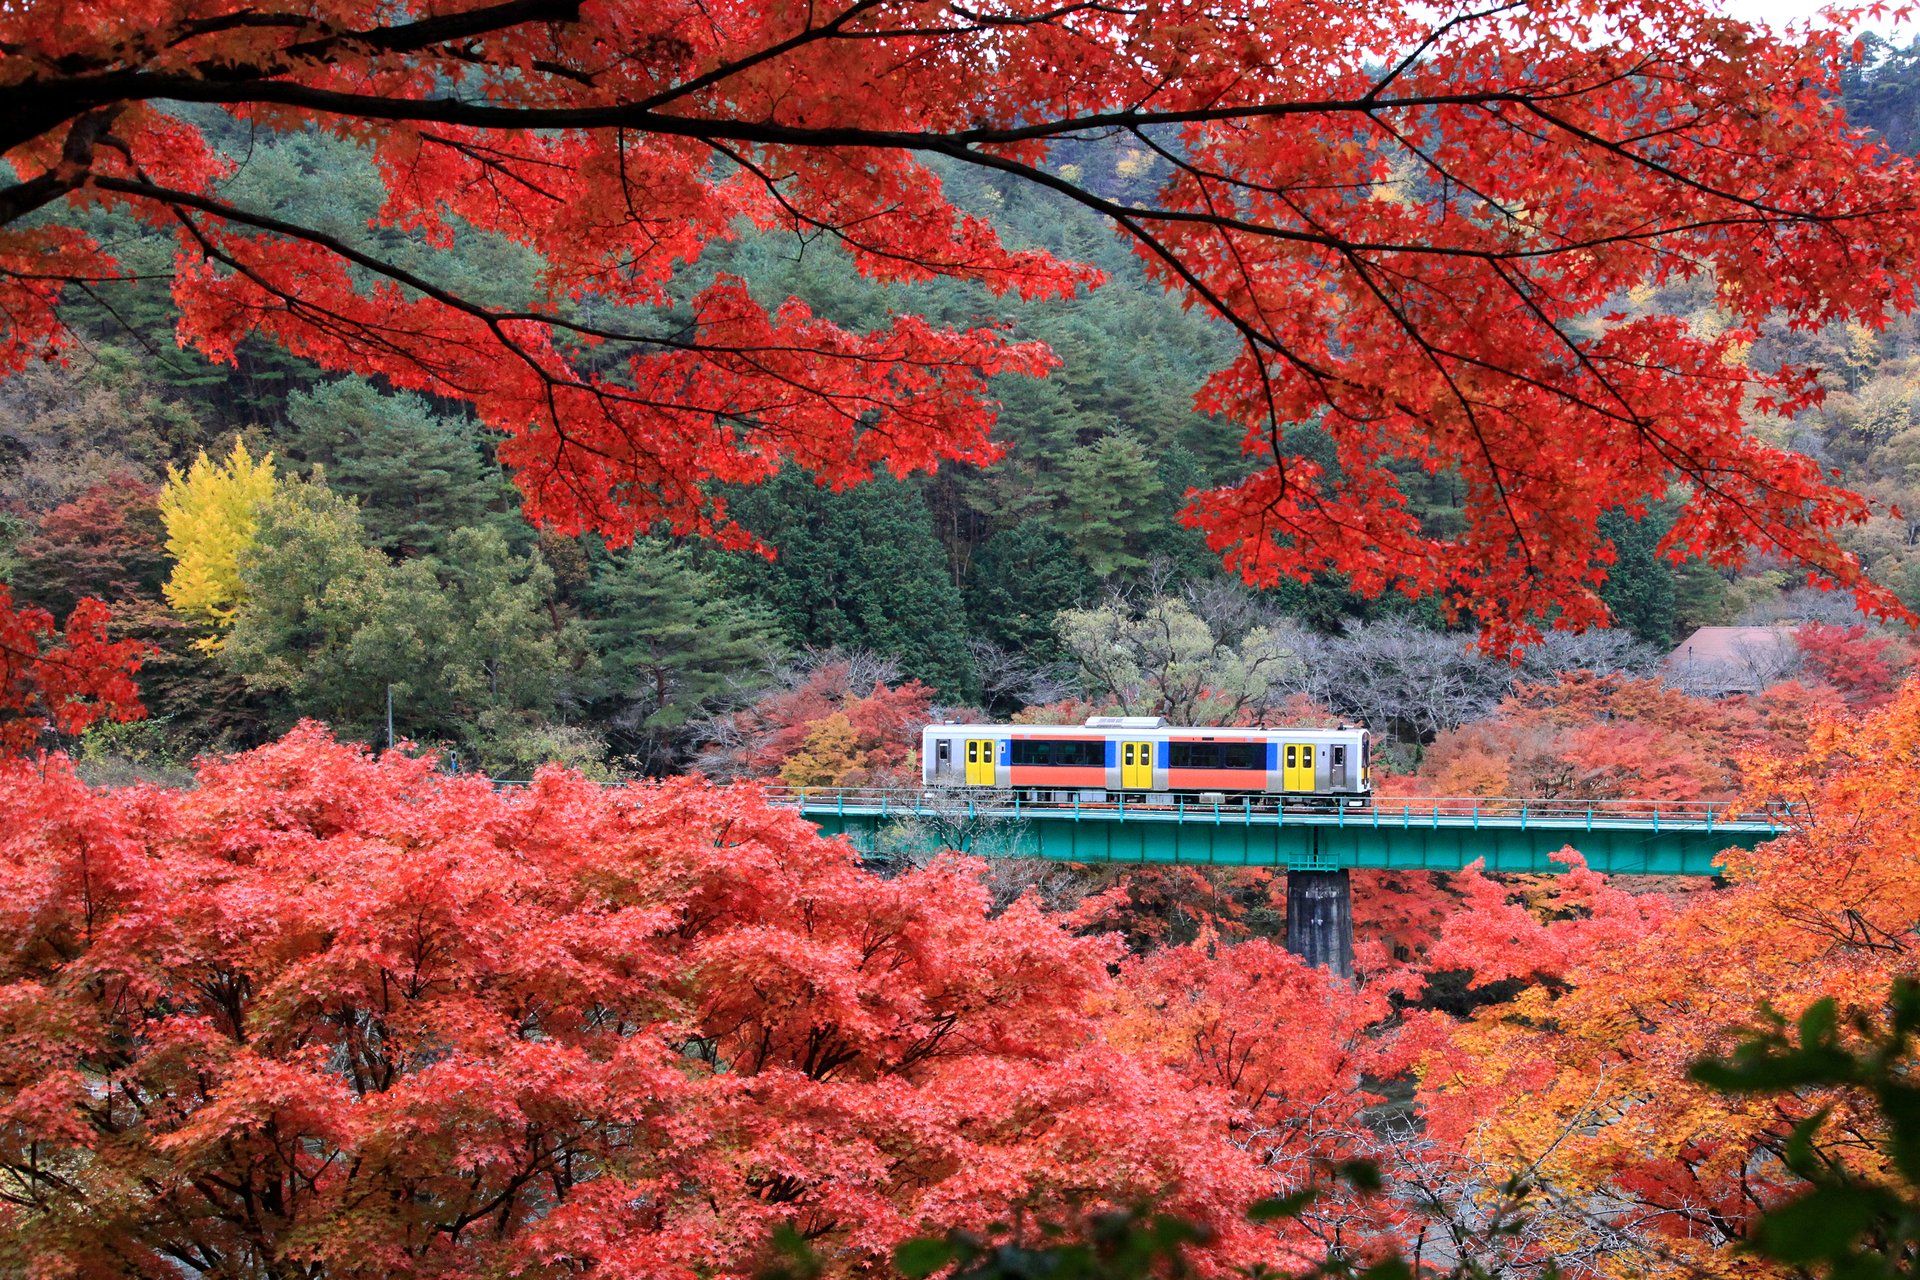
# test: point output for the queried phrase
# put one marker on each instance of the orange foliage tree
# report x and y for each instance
(1417, 219)
(836, 725)
(1296, 1051)
(1581, 1077)
(1594, 737)
(336, 1015)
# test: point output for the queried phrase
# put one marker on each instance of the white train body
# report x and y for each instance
(1145, 758)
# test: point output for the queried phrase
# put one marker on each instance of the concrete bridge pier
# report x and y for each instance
(1320, 919)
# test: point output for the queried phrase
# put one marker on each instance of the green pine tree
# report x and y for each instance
(1640, 587)
(671, 644)
(1111, 497)
(417, 474)
(860, 569)
(1022, 577)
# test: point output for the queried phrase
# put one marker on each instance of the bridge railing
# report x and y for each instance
(962, 802)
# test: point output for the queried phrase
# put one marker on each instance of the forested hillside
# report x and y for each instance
(400, 398)
(298, 544)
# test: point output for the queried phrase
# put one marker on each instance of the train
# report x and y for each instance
(1143, 759)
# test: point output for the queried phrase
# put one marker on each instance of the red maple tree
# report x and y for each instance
(1865, 669)
(1421, 256)
(108, 543)
(1298, 1052)
(335, 1015)
(65, 678)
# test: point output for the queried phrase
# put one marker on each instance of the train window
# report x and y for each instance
(1217, 755)
(1042, 751)
(1293, 756)
(943, 753)
(1339, 755)
(973, 753)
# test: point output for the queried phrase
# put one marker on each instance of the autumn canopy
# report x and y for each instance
(1416, 219)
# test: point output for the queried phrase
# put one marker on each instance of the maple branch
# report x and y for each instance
(423, 33)
(726, 71)
(76, 158)
(82, 93)
(446, 297)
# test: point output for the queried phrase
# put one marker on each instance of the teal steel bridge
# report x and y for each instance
(1617, 837)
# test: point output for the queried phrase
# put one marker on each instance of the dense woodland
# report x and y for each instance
(277, 1002)
(382, 549)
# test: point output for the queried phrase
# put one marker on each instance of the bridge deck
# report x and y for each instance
(1629, 837)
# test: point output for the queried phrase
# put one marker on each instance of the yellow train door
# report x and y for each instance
(980, 762)
(1296, 773)
(1136, 766)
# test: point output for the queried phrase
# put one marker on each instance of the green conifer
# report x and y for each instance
(418, 474)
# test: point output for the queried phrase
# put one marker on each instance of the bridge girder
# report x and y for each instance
(1503, 843)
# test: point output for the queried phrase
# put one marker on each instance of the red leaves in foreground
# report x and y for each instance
(343, 1015)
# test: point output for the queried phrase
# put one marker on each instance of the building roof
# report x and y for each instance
(1716, 661)
(1729, 644)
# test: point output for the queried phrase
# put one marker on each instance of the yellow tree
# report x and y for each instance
(211, 514)
(827, 757)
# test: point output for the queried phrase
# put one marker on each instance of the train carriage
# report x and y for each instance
(1145, 759)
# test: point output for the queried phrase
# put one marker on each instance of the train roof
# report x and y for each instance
(1105, 730)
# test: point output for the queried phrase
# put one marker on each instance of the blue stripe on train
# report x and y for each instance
(1113, 752)
(1273, 756)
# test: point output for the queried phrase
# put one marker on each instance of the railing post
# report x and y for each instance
(1476, 813)
(1523, 815)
